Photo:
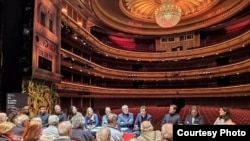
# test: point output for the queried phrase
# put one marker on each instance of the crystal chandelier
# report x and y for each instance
(168, 14)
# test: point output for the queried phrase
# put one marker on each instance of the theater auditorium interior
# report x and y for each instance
(98, 53)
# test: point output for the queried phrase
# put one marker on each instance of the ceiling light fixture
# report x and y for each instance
(168, 14)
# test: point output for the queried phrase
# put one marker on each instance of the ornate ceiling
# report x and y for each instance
(136, 16)
(143, 10)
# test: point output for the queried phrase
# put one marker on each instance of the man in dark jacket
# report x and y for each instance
(194, 118)
(44, 116)
(142, 116)
(61, 115)
(172, 116)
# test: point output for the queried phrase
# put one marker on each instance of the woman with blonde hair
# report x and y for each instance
(103, 134)
(6, 130)
(32, 131)
(91, 119)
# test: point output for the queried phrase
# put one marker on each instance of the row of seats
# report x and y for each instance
(239, 116)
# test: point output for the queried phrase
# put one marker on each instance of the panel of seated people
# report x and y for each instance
(212, 116)
(209, 113)
(156, 112)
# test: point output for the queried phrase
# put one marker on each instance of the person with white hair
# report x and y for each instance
(78, 131)
(21, 121)
(61, 115)
(167, 132)
(126, 120)
(52, 130)
(3, 117)
(65, 131)
(148, 133)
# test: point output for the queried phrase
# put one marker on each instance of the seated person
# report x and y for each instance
(148, 133)
(116, 134)
(52, 130)
(22, 121)
(32, 130)
(73, 113)
(78, 131)
(194, 118)
(104, 117)
(167, 132)
(142, 116)
(61, 115)
(125, 120)
(3, 117)
(103, 134)
(172, 116)
(224, 117)
(91, 119)
(64, 130)
(26, 111)
(6, 131)
(43, 114)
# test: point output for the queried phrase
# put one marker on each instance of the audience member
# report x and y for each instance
(148, 133)
(167, 132)
(91, 119)
(224, 117)
(13, 115)
(78, 131)
(103, 134)
(116, 134)
(172, 116)
(32, 131)
(134, 139)
(36, 119)
(3, 117)
(6, 131)
(104, 117)
(64, 130)
(142, 116)
(125, 120)
(194, 118)
(21, 122)
(44, 116)
(52, 130)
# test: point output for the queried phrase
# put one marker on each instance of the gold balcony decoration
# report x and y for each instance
(168, 14)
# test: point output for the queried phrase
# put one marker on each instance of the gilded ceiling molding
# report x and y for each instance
(143, 10)
(217, 11)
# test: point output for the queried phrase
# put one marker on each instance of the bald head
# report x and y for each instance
(3, 117)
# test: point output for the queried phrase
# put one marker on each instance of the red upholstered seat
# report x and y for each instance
(128, 136)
